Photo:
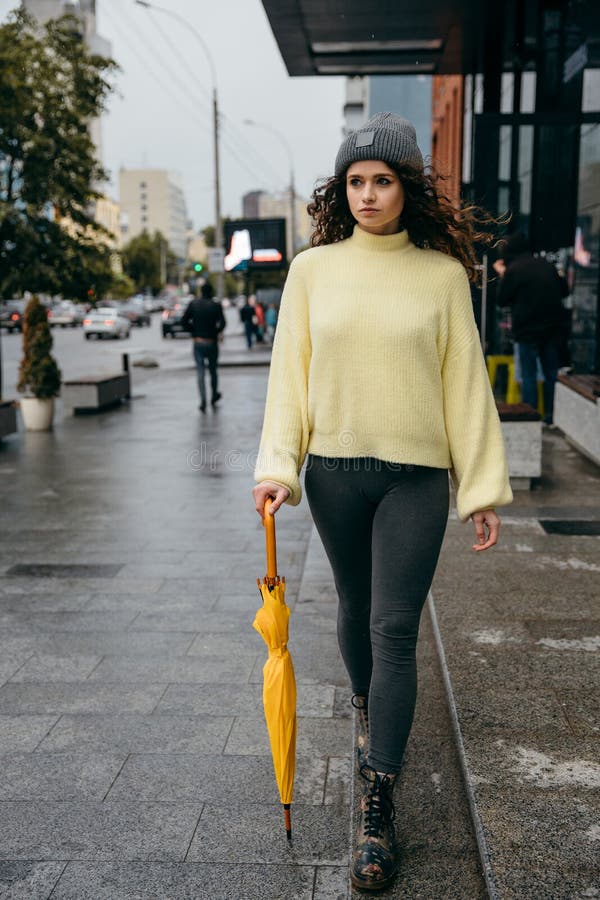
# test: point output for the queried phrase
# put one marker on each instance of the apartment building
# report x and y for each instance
(153, 200)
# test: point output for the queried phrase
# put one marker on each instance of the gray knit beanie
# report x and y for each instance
(386, 137)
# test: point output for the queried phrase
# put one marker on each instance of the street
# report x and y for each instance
(76, 356)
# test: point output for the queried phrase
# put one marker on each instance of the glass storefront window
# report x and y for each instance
(504, 153)
(528, 83)
(525, 168)
(506, 95)
(591, 91)
(586, 252)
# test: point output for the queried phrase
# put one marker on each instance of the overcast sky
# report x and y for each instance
(160, 115)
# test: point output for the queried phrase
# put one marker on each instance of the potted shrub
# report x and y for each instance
(39, 375)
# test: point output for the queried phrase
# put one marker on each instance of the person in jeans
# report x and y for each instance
(378, 380)
(534, 291)
(205, 321)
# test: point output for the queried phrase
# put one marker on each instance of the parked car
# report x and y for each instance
(106, 322)
(65, 314)
(135, 310)
(171, 320)
(11, 314)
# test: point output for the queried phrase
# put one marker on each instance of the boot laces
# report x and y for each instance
(359, 702)
(379, 809)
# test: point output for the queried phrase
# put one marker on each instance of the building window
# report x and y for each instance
(144, 220)
(144, 207)
(142, 185)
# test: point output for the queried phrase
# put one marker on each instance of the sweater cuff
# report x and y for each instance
(294, 488)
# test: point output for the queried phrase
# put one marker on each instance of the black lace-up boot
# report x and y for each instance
(360, 704)
(373, 864)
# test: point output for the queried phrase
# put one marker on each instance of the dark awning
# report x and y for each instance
(390, 37)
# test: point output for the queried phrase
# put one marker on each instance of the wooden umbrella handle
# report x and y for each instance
(269, 523)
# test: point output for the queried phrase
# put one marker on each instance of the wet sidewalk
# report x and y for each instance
(521, 634)
(135, 761)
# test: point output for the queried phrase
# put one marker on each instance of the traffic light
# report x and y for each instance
(198, 267)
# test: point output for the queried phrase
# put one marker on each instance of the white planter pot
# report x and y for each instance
(37, 414)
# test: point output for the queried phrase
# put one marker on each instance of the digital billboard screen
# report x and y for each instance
(254, 244)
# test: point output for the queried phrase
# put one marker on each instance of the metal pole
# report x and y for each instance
(218, 219)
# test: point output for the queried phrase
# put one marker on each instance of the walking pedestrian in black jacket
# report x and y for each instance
(533, 289)
(205, 321)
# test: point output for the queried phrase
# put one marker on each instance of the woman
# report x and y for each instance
(377, 374)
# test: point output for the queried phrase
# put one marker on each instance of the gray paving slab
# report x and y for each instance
(57, 776)
(34, 603)
(50, 667)
(70, 697)
(142, 603)
(11, 662)
(95, 830)
(185, 881)
(214, 778)
(28, 880)
(211, 644)
(66, 621)
(22, 733)
(223, 669)
(132, 643)
(319, 834)
(331, 883)
(241, 700)
(126, 733)
(325, 737)
(25, 586)
(338, 781)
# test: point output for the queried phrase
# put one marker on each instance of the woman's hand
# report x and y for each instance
(482, 520)
(499, 267)
(277, 492)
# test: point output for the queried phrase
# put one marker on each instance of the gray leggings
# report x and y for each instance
(382, 526)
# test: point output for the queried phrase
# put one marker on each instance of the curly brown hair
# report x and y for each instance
(429, 216)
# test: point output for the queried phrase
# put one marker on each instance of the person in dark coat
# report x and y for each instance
(533, 289)
(205, 321)
(247, 316)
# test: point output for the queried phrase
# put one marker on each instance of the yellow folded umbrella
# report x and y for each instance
(279, 686)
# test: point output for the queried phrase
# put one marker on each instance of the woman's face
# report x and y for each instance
(375, 196)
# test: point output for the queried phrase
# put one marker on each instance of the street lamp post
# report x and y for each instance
(288, 150)
(215, 110)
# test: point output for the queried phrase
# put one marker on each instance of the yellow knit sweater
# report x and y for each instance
(377, 354)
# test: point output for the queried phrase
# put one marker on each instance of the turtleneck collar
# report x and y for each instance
(380, 242)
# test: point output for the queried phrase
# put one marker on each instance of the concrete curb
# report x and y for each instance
(482, 844)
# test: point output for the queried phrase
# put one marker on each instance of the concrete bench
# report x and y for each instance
(522, 432)
(8, 418)
(577, 412)
(97, 392)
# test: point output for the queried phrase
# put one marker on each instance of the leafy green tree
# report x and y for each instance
(122, 287)
(39, 374)
(51, 87)
(141, 259)
(208, 234)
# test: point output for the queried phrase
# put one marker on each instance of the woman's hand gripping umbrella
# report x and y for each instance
(279, 686)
